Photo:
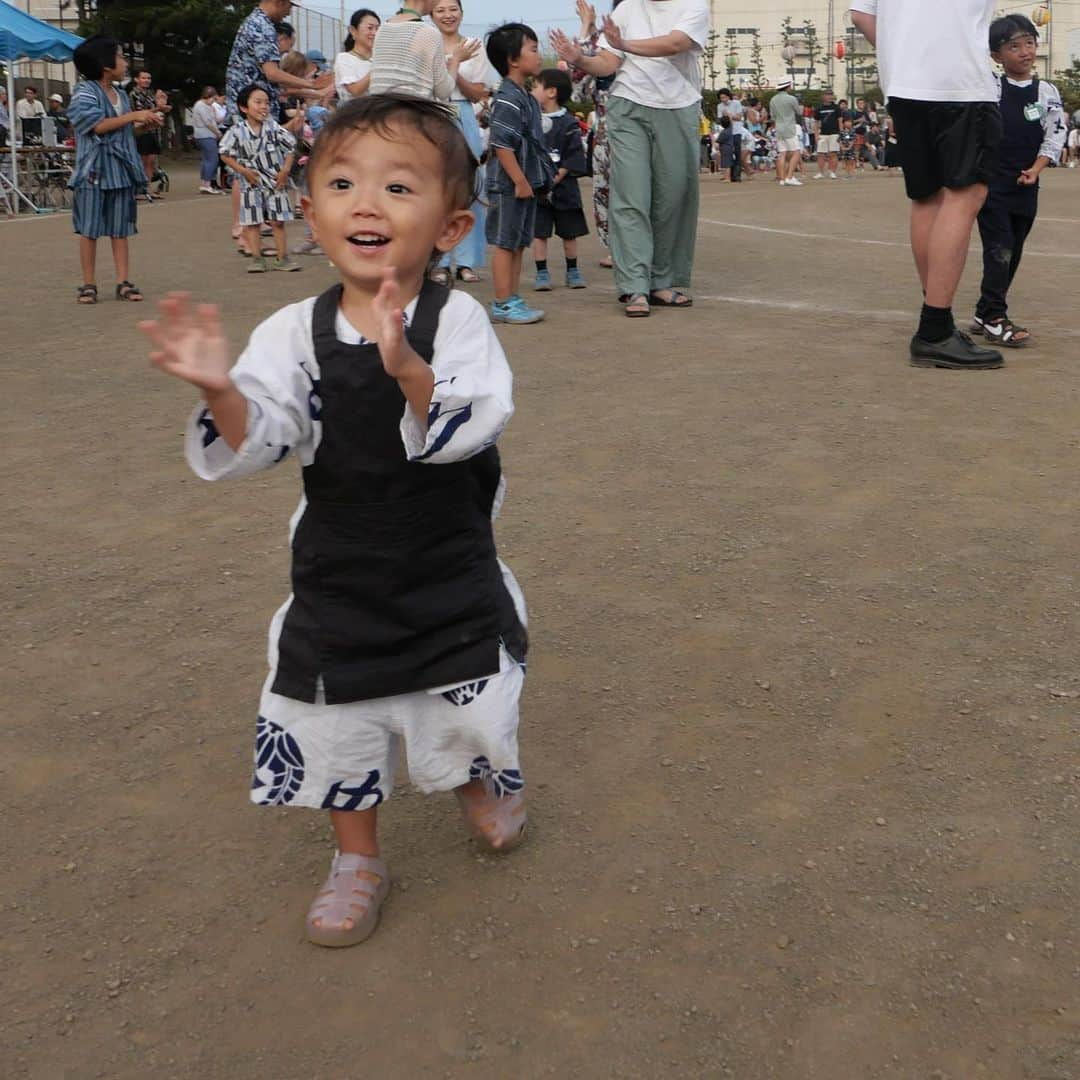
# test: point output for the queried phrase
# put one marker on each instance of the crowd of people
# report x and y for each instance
(422, 152)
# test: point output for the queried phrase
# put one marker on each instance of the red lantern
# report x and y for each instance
(840, 50)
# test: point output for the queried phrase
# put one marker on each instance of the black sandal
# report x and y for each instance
(678, 300)
(1003, 331)
(126, 291)
(87, 294)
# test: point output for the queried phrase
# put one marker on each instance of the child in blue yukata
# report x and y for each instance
(108, 171)
(403, 626)
(560, 210)
(261, 152)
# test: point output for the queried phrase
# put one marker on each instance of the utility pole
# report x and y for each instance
(831, 44)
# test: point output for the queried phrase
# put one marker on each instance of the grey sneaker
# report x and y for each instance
(543, 281)
(307, 246)
(257, 266)
(286, 264)
(574, 280)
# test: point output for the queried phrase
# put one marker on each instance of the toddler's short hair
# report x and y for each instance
(505, 42)
(559, 81)
(383, 112)
(95, 55)
(1008, 27)
(295, 63)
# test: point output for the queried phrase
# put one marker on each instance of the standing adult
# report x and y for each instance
(30, 108)
(408, 57)
(207, 135)
(942, 97)
(58, 115)
(827, 117)
(653, 48)
(785, 110)
(475, 78)
(599, 89)
(147, 142)
(255, 59)
(352, 66)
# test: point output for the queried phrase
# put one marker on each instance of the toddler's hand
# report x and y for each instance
(190, 345)
(394, 349)
(1028, 177)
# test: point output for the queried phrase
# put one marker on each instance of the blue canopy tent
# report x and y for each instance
(22, 37)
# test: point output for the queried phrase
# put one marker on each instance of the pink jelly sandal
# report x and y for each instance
(348, 898)
(498, 823)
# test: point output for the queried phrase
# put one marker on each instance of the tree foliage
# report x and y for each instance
(1068, 84)
(185, 44)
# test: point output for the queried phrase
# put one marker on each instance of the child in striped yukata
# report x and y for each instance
(261, 153)
(108, 172)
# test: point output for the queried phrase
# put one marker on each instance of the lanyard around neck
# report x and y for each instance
(409, 11)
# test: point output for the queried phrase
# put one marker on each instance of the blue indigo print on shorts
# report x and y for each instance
(502, 782)
(279, 764)
(465, 694)
(350, 795)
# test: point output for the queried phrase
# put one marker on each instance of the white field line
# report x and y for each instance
(858, 239)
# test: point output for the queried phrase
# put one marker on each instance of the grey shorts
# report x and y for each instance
(511, 222)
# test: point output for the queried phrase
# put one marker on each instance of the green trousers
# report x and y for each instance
(652, 217)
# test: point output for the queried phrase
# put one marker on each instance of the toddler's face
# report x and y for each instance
(379, 200)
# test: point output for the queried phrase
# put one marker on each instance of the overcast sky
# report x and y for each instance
(481, 15)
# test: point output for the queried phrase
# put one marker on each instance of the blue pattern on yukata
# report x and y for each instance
(348, 795)
(255, 44)
(279, 764)
(210, 431)
(457, 418)
(110, 161)
(465, 694)
(502, 782)
(264, 152)
(314, 395)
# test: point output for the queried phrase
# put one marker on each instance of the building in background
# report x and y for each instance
(754, 45)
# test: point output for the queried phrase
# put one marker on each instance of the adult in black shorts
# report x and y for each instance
(935, 70)
(146, 142)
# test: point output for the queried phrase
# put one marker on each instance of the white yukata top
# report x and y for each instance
(278, 375)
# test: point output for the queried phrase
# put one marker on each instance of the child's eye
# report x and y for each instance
(397, 189)
(340, 184)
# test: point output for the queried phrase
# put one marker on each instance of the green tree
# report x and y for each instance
(757, 60)
(786, 35)
(812, 50)
(1068, 84)
(708, 55)
(184, 43)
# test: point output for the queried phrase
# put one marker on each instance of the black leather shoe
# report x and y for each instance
(957, 351)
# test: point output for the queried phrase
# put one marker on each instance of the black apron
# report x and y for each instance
(396, 587)
(1021, 139)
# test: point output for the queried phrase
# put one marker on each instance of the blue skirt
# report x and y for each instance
(101, 212)
(471, 251)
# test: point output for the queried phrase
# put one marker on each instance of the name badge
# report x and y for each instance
(1033, 111)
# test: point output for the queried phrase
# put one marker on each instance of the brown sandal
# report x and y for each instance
(87, 294)
(346, 910)
(637, 306)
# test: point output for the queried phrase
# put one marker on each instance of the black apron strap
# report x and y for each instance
(425, 320)
(324, 320)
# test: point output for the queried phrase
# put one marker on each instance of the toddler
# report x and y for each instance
(403, 626)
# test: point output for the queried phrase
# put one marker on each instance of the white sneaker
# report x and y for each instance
(793, 182)
(832, 176)
(819, 176)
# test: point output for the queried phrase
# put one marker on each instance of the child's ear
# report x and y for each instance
(456, 228)
(309, 214)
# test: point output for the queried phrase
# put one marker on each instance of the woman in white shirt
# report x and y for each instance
(475, 77)
(408, 56)
(352, 66)
(653, 48)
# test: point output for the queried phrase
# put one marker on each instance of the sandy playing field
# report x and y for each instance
(800, 729)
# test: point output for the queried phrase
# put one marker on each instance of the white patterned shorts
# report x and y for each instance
(261, 204)
(343, 757)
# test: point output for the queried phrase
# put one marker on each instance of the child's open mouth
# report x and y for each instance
(369, 240)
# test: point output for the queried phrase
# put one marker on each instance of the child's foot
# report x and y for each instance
(285, 263)
(574, 280)
(542, 283)
(496, 822)
(514, 310)
(346, 909)
(258, 266)
(308, 246)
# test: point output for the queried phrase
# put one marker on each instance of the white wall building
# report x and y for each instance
(816, 27)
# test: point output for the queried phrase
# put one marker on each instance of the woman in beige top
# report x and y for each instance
(408, 56)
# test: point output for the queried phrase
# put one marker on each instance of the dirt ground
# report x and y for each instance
(801, 723)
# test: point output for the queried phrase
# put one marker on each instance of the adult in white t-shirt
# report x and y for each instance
(653, 48)
(352, 66)
(934, 61)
